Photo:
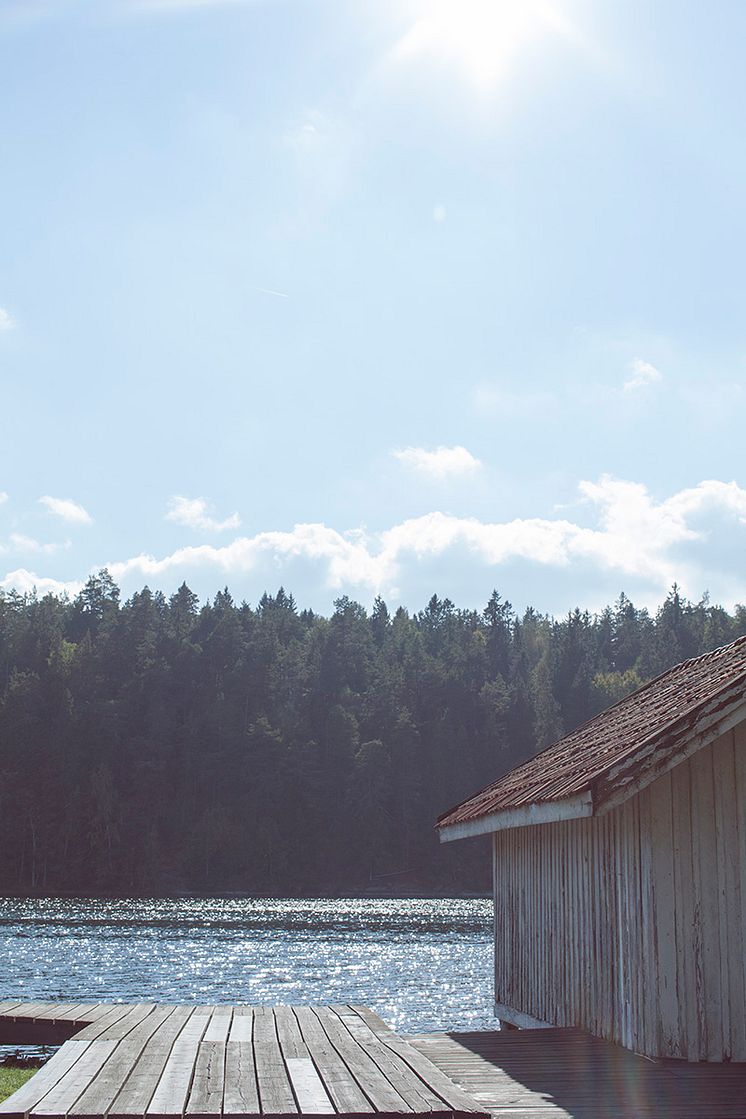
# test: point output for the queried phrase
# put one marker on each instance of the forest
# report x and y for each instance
(163, 746)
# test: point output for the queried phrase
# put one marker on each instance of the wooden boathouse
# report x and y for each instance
(620, 869)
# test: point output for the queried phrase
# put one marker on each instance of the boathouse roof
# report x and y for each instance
(617, 753)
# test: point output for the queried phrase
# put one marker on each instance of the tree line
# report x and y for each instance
(158, 745)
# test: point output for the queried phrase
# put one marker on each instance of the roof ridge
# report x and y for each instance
(647, 686)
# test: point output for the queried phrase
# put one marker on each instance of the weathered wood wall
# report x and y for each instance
(633, 925)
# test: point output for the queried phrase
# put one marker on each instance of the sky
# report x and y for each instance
(374, 297)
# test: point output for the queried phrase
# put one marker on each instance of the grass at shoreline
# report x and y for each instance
(11, 1080)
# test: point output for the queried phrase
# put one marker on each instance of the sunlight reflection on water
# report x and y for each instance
(422, 964)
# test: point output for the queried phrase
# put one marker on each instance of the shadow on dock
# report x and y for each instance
(567, 1074)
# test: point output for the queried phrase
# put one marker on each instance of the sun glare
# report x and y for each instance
(480, 37)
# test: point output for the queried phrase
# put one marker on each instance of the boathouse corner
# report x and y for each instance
(619, 869)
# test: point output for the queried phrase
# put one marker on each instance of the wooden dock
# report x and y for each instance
(567, 1074)
(153, 1061)
(119, 1061)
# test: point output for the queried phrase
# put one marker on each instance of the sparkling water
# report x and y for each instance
(423, 964)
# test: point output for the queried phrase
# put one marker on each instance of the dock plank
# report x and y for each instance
(275, 1090)
(113, 1014)
(241, 1093)
(441, 1084)
(382, 1094)
(62, 1097)
(172, 1090)
(399, 1074)
(103, 1089)
(123, 1026)
(206, 1093)
(49, 1075)
(308, 1087)
(346, 1094)
(84, 1012)
(7, 1007)
(219, 1025)
(37, 1011)
(288, 1033)
(139, 1088)
(242, 1024)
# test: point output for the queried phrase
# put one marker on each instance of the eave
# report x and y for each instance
(543, 812)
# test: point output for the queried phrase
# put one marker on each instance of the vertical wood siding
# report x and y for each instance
(633, 925)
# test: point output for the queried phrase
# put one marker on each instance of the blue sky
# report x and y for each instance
(370, 297)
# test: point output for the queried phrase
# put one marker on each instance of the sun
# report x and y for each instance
(480, 37)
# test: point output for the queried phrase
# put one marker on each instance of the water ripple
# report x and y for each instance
(423, 964)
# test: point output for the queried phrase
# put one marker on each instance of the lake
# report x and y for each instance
(422, 964)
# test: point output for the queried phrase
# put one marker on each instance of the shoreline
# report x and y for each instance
(239, 895)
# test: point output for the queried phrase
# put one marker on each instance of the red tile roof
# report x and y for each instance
(640, 736)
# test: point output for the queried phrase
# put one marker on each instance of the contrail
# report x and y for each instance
(269, 291)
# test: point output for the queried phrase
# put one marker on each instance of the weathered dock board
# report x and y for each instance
(220, 1062)
(568, 1074)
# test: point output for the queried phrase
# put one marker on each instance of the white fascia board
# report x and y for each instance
(545, 812)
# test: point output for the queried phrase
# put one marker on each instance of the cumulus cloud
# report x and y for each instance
(27, 582)
(348, 557)
(623, 535)
(643, 374)
(3, 497)
(192, 513)
(443, 462)
(634, 537)
(6, 320)
(66, 509)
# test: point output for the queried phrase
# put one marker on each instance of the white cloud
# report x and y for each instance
(626, 538)
(3, 497)
(347, 557)
(6, 320)
(643, 374)
(443, 462)
(67, 509)
(635, 537)
(26, 582)
(192, 513)
(21, 543)
(439, 213)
